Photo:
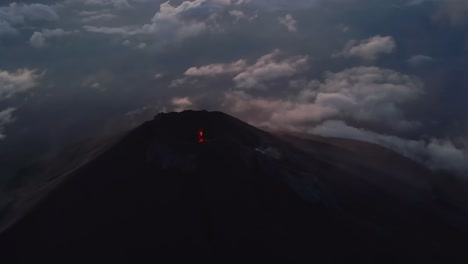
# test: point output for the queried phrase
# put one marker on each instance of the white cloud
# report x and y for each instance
(6, 117)
(237, 14)
(142, 45)
(365, 94)
(180, 21)
(189, 19)
(270, 67)
(39, 39)
(289, 22)
(369, 49)
(435, 153)
(217, 69)
(371, 94)
(288, 113)
(20, 81)
(159, 75)
(181, 104)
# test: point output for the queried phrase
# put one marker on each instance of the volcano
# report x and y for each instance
(205, 186)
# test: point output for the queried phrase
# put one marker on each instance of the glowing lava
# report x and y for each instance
(200, 136)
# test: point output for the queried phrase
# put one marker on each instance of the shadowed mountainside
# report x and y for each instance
(243, 195)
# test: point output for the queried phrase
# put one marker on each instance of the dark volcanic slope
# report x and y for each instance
(241, 196)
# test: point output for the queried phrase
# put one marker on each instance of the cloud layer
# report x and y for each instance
(435, 153)
(269, 67)
(362, 94)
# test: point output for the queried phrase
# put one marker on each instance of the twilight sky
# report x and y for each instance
(390, 72)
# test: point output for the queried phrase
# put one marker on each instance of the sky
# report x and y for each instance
(392, 73)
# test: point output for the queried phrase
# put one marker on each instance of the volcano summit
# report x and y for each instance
(164, 193)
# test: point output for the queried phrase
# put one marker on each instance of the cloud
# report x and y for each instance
(363, 94)
(115, 3)
(7, 29)
(159, 76)
(371, 94)
(6, 117)
(369, 49)
(289, 22)
(181, 104)
(38, 39)
(217, 69)
(418, 60)
(12, 83)
(291, 114)
(100, 80)
(186, 20)
(440, 154)
(237, 14)
(270, 67)
(21, 13)
(96, 85)
(123, 30)
(455, 12)
(98, 17)
(189, 19)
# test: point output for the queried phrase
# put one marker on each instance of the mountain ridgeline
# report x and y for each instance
(161, 195)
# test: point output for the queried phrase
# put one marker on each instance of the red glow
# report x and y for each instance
(200, 136)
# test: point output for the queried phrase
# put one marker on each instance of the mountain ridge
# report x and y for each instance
(241, 193)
